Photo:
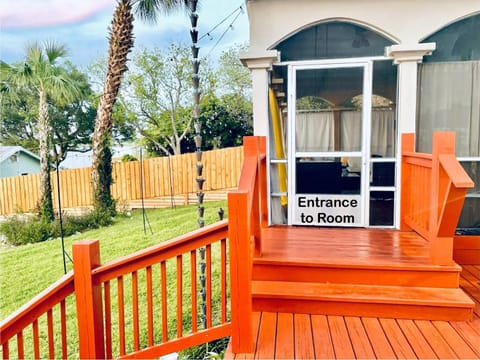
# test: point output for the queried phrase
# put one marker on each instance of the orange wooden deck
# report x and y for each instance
(307, 336)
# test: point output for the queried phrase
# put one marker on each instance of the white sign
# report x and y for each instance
(328, 210)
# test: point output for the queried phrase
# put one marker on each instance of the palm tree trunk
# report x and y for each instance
(46, 203)
(120, 44)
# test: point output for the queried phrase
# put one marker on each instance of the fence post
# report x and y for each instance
(86, 256)
(441, 247)
(408, 145)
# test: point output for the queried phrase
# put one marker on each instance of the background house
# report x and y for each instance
(16, 160)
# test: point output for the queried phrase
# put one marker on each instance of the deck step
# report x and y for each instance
(362, 300)
(388, 274)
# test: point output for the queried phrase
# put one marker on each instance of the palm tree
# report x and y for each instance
(120, 44)
(41, 73)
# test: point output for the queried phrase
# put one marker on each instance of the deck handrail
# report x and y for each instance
(433, 192)
(247, 212)
(29, 315)
(105, 306)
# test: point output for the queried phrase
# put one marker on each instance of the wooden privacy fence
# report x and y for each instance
(162, 176)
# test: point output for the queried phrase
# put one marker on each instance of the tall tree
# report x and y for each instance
(120, 44)
(158, 95)
(41, 72)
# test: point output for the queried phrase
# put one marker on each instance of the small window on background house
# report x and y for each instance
(449, 100)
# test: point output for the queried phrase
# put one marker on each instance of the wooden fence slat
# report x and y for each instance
(221, 170)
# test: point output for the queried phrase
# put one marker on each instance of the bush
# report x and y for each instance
(212, 350)
(20, 230)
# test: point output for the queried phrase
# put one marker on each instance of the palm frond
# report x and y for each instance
(148, 10)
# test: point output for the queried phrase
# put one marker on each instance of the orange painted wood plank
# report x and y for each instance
(304, 348)
(121, 315)
(359, 338)
(179, 296)
(435, 339)
(163, 285)
(208, 285)
(108, 320)
(5, 351)
(193, 286)
(20, 352)
(377, 337)
(51, 340)
(223, 278)
(266, 336)
(149, 305)
(321, 337)
(456, 342)
(256, 317)
(63, 327)
(340, 339)
(468, 334)
(136, 327)
(397, 340)
(284, 344)
(36, 341)
(419, 344)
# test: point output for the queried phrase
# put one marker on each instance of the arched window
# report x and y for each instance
(332, 40)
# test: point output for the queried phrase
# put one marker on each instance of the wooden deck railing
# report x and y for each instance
(122, 307)
(433, 191)
(247, 212)
(46, 314)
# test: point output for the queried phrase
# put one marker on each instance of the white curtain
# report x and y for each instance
(382, 135)
(449, 100)
(315, 131)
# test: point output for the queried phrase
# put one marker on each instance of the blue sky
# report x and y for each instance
(83, 27)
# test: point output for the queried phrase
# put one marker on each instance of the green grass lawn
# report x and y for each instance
(27, 270)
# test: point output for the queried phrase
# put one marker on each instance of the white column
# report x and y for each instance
(260, 65)
(407, 58)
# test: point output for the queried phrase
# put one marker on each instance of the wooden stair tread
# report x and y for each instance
(349, 263)
(450, 297)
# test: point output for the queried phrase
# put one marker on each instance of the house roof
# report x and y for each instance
(7, 151)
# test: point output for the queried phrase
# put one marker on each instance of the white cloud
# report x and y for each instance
(33, 13)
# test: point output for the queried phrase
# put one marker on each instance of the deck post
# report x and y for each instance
(240, 272)
(86, 256)
(408, 145)
(441, 245)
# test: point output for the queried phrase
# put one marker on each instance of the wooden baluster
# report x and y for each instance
(208, 284)
(36, 342)
(63, 323)
(5, 351)
(121, 315)
(193, 279)
(163, 270)
(179, 296)
(149, 306)
(136, 330)
(223, 279)
(86, 256)
(20, 345)
(108, 320)
(51, 340)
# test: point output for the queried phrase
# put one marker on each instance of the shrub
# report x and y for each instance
(212, 350)
(20, 230)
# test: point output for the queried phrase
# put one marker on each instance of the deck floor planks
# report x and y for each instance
(378, 340)
(285, 345)
(321, 337)
(358, 337)
(351, 337)
(303, 337)
(461, 348)
(417, 341)
(340, 338)
(266, 336)
(395, 336)
(435, 339)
